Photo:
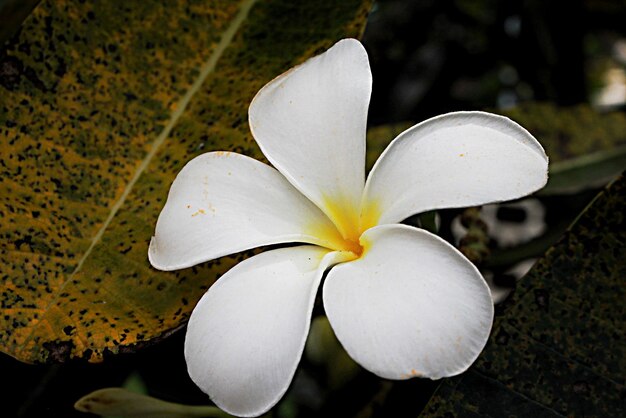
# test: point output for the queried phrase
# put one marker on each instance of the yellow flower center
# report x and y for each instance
(354, 247)
(349, 225)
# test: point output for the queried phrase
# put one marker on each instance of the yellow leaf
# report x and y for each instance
(101, 106)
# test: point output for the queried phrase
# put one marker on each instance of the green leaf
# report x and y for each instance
(117, 402)
(558, 349)
(592, 170)
(107, 102)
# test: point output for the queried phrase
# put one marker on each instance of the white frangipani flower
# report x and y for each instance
(402, 301)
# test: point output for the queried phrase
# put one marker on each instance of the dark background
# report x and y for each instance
(428, 57)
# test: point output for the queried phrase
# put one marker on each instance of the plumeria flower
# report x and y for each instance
(402, 301)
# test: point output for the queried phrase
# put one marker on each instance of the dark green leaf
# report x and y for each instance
(559, 347)
(592, 170)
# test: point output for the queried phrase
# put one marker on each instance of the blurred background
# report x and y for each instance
(547, 64)
(431, 57)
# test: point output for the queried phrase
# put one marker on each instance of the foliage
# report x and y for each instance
(104, 103)
(111, 402)
(557, 348)
(87, 89)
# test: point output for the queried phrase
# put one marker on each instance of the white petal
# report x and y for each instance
(222, 203)
(246, 335)
(454, 160)
(412, 305)
(310, 123)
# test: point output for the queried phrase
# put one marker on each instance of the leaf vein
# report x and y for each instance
(205, 71)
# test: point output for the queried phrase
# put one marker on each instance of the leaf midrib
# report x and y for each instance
(207, 68)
